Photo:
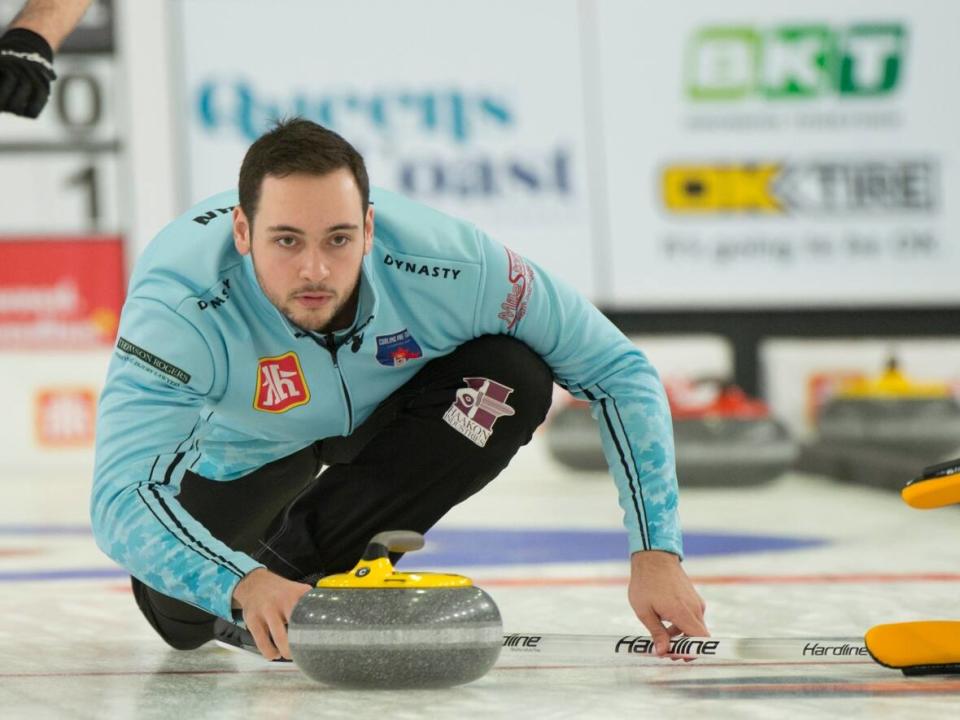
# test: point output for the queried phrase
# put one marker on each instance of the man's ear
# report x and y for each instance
(368, 231)
(241, 231)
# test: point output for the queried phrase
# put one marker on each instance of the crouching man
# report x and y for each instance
(304, 362)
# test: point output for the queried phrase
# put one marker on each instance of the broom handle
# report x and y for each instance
(521, 649)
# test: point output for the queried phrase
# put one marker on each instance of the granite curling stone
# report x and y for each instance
(375, 627)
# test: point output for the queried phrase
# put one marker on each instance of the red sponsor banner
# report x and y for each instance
(280, 384)
(60, 292)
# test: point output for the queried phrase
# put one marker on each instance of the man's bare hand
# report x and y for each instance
(267, 601)
(664, 599)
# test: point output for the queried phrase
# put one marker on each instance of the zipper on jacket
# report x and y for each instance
(331, 345)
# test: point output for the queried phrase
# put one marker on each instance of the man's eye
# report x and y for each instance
(340, 240)
(286, 241)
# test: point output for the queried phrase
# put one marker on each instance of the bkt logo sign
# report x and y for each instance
(792, 62)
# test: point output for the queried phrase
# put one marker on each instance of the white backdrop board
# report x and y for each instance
(64, 172)
(474, 108)
(765, 154)
(49, 412)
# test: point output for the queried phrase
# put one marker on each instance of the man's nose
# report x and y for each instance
(313, 266)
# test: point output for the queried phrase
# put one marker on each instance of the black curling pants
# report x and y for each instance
(414, 458)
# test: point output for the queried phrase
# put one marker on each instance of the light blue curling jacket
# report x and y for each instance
(209, 376)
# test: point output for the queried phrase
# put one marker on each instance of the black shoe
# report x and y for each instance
(234, 637)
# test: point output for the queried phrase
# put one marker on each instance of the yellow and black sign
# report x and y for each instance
(820, 187)
(721, 188)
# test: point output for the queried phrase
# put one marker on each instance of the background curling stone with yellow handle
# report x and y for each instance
(375, 627)
(876, 431)
(938, 486)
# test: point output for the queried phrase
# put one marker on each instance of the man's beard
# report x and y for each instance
(328, 325)
(341, 317)
(343, 314)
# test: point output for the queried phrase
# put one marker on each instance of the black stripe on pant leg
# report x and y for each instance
(641, 518)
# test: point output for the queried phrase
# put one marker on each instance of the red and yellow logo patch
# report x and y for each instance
(280, 384)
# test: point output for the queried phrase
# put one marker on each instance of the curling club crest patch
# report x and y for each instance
(397, 348)
(477, 408)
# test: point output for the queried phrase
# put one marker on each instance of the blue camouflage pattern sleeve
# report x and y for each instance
(594, 361)
(149, 427)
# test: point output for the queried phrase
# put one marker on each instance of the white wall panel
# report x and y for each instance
(474, 108)
(765, 154)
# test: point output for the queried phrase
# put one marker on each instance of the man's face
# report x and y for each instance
(308, 240)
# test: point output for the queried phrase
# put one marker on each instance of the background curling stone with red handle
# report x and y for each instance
(375, 627)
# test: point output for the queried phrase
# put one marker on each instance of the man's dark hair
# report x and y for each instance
(298, 146)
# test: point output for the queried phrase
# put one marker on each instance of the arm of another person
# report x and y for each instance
(26, 53)
(593, 360)
(53, 20)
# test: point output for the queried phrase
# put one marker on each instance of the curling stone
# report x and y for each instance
(375, 627)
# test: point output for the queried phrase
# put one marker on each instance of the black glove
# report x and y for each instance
(26, 71)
